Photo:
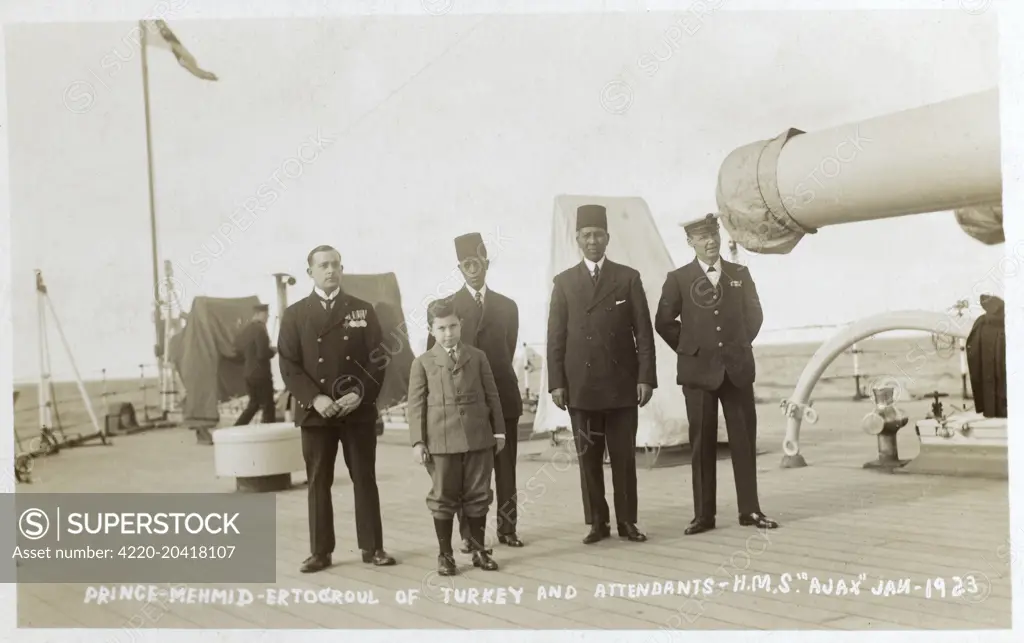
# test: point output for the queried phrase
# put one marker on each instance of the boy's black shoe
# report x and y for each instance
(315, 563)
(597, 533)
(446, 565)
(483, 560)
(467, 547)
(380, 558)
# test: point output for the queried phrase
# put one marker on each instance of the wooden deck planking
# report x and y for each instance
(838, 521)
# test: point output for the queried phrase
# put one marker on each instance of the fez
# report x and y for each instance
(470, 246)
(705, 224)
(591, 216)
(261, 308)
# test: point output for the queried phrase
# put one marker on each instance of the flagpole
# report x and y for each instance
(152, 200)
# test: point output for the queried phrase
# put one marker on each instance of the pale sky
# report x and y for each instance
(440, 126)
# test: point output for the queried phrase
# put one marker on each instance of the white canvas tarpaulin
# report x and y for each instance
(635, 242)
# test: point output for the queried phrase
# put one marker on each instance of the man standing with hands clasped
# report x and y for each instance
(601, 367)
(709, 314)
(324, 348)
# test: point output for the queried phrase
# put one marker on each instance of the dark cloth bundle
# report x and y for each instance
(986, 358)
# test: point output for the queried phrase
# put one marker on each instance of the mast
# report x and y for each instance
(157, 318)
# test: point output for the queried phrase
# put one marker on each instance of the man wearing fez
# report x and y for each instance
(709, 314)
(325, 345)
(601, 368)
(253, 345)
(490, 322)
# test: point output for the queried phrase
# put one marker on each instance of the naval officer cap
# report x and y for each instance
(591, 216)
(470, 246)
(706, 224)
(260, 308)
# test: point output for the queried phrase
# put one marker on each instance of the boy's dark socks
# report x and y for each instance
(443, 528)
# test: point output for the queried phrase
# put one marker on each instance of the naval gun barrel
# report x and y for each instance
(939, 157)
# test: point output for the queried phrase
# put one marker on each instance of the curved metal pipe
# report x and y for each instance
(796, 407)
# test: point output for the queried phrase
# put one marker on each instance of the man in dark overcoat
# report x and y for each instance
(253, 344)
(709, 314)
(325, 347)
(490, 322)
(601, 367)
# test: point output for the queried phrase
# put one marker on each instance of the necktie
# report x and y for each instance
(711, 268)
(451, 353)
(480, 301)
(328, 303)
(597, 272)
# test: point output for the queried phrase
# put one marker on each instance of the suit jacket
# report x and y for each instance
(329, 353)
(453, 408)
(253, 344)
(495, 332)
(600, 340)
(710, 329)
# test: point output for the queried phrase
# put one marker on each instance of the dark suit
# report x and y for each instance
(600, 346)
(495, 331)
(253, 343)
(328, 353)
(711, 329)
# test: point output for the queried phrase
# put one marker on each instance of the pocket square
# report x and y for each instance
(736, 284)
(622, 301)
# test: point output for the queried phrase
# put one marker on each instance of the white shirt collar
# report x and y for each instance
(590, 264)
(704, 266)
(482, 291)
(324, 295)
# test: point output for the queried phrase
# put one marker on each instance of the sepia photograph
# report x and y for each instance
(429, 317)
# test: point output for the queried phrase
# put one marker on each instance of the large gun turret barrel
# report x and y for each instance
(943, 156)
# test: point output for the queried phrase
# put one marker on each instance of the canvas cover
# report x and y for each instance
(382, 291)
(204, 355)
(635, 242)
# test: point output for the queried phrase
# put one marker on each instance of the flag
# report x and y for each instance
(164, 38)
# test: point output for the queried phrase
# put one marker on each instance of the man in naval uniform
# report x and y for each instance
(709, 314)
(490, 322)
(325, 345)
(601, 368)
(253, 343)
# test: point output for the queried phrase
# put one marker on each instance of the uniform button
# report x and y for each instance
(321, 360)
(322, 380)
(719, 344)
(345, 337)
(320, 339)
(716, 312)
(347, 358)
(588, 336)
(588, 364)
(718, 328)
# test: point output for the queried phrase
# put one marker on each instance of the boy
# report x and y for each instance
(455, 428)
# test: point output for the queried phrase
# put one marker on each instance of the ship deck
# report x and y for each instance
(839, 521)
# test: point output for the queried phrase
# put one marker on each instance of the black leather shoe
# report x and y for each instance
(483, 560)
(597, 533)
(699, 526)
(758, 520)
(315, 563)
(446, 565)
(629, 531)
(511, 540)
(378, 558)
(467, 548)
